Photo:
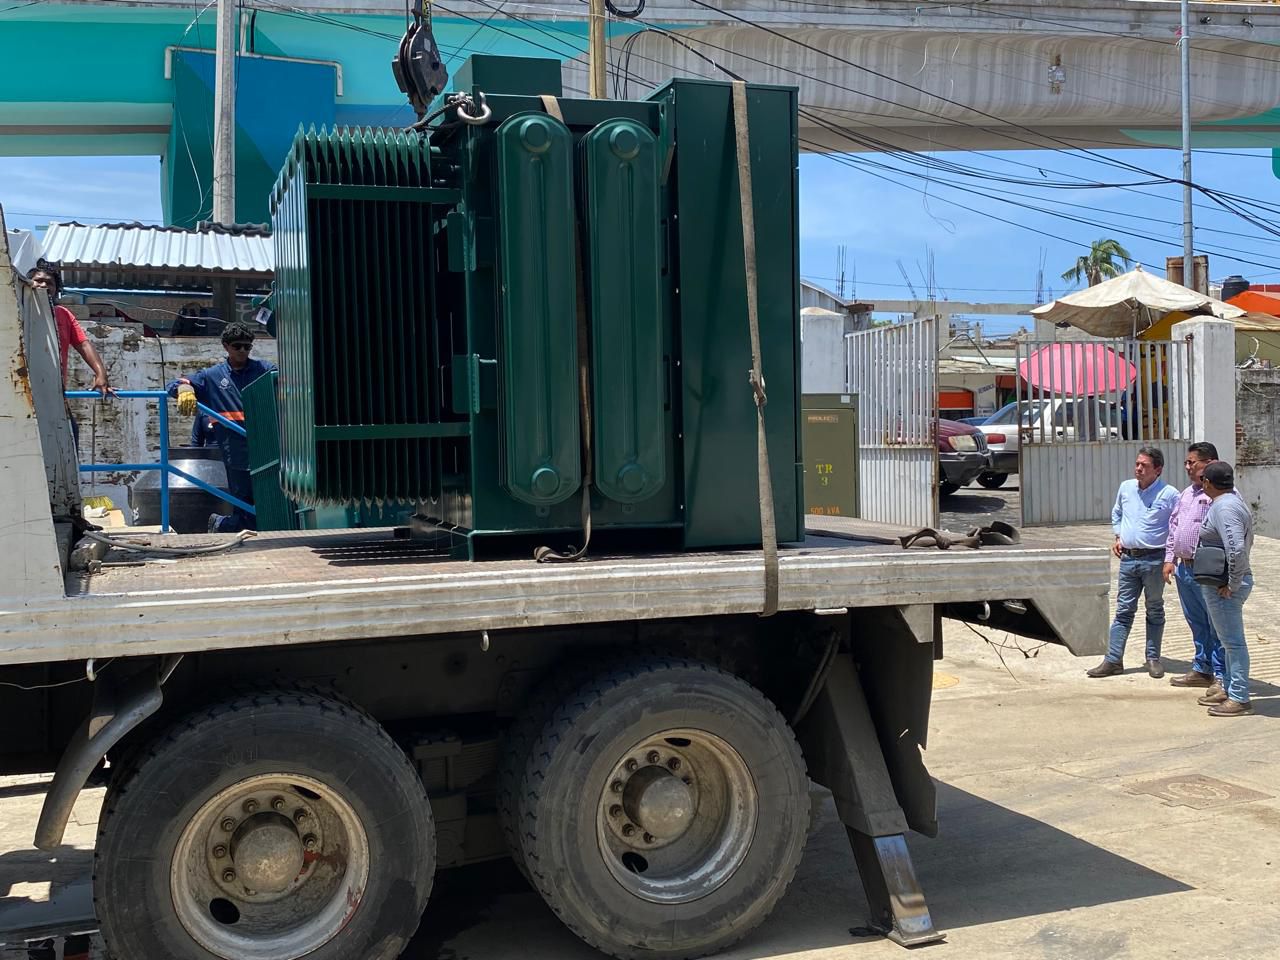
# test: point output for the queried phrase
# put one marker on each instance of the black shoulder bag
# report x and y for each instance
(1210, 565)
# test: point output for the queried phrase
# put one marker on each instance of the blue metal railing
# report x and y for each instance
(166, 468)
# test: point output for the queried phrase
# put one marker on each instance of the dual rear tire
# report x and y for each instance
(659, 806)
(664, 809)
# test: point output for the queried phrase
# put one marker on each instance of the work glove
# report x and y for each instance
(186, 401)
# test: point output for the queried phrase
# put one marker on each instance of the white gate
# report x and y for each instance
(893, 370)
(1084, 410)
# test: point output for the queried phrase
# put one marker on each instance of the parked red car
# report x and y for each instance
(962, 455)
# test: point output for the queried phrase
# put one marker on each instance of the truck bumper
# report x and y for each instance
(1004, 461)
(961, 468)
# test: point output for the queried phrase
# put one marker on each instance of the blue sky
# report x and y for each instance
(979, 258)
(976, 256)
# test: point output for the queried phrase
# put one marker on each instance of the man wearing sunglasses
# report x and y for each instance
(1188, 515)
(218, 388)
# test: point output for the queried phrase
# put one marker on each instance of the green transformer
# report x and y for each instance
(433, 289)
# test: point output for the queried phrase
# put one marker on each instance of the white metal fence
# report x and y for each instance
(1085, 409)
(893, 370)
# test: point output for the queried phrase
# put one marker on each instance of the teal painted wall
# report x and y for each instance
(114, 97)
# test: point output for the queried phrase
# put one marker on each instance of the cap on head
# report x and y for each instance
(237, 330)
(1220, 474)
(49, 269)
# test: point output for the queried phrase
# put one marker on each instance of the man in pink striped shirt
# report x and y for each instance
(1184, 535)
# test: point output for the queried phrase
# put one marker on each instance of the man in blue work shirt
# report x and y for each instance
(218, 388)
(1140, 520)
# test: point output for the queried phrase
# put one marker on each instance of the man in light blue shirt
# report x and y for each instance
(1140, 520)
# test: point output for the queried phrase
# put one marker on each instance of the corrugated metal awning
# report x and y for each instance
(137, 256)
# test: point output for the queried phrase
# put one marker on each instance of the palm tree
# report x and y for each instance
(1100, 263)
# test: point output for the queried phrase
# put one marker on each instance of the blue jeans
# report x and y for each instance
(1138, 576)
(1227, 614)
(1209, 656)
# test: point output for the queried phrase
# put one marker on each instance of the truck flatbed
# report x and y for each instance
(315, 586)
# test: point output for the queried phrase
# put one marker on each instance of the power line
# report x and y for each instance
(978, 172)
(868, 167)
(76, 216)
(843, 132)
(1216, 196)
(1230, 252)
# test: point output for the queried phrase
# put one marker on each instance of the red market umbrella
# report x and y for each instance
(1077, 369)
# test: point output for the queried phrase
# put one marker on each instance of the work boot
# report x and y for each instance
(1155, 668)
(1192, 678)
(1231, 708)
(1105, 669)
(1214, 695)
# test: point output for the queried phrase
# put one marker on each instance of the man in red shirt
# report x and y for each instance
(70, 334)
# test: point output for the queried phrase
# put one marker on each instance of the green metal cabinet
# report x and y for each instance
(262, 434)
(432, 293)
(830, 436)
(722, 504)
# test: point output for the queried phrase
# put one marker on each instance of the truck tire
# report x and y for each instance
(946, 488)
(993, 481)
(517, 744)
(277, 825)
(665, 809)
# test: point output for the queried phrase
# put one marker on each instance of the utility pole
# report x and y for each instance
(224, 144)
(597, 58)
(1188, 230)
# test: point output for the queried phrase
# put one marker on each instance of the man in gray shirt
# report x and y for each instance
(1229, 525)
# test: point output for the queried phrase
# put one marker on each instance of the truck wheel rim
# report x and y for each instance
(677, 816)
(272, 868)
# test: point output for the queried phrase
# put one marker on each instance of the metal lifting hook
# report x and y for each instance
(475, 119)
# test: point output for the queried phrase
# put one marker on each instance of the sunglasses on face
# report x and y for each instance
(240, 345)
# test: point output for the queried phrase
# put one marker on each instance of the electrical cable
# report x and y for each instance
(1218, 250)
(474, 33)
(1085, 152)
(207, 550)
(54, 686)
(923, 92)
(977, 172)
(508, 33)
(1232, 255)
(631, 14)
(987, 214)
(1160, 179)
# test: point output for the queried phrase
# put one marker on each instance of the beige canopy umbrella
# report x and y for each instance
(1126, 305)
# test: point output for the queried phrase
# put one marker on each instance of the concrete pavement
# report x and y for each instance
(1081, 820)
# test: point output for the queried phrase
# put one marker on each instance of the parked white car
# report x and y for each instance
(1047, 420)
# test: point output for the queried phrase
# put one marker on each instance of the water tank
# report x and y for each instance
(189, 506)
(1233, 286)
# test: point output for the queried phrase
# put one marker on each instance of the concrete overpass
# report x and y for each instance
(135, 76)
(927, 75)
